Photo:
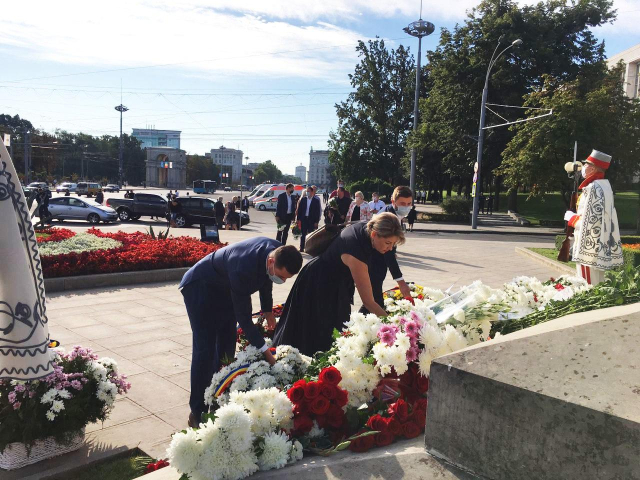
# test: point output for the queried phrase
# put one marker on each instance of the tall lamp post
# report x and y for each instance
(483, 111)
(419, 29)
(121, 108)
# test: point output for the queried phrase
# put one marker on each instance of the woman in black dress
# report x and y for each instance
(321, 297)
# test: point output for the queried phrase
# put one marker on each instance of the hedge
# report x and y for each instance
(626, 239)
(631, 257)
(445, 218)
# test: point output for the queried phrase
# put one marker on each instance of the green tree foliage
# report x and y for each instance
(592, 110)
(373, 122)
(370, 185)
(291, 179)
(201, 168)
(267, 172)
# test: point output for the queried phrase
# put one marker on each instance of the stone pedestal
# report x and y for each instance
(557, 401)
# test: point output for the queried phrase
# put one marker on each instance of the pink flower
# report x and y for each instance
(416, 318)
(402, 320)
(412, 328)
(387, 334)
(16, 405)
(12, 397)
(19, 388)
(412, 354)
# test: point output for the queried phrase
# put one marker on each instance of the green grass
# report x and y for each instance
(119, 468)
(552, 254)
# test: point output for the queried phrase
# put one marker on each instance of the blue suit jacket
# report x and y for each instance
(283, 205)
(236, 272)
(314, 211)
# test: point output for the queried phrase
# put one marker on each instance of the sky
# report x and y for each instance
(262, 76)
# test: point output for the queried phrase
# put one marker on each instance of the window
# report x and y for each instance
(74, 202)
(59, 201)
(636, 92)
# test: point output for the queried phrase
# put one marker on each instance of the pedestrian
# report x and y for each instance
(411, 217)
(359, 210)
(245, 204)
(219, 211)
(335, 192)
(177, 194)
(99, 197)
(284, 213)
(338, 207)
(376, 205)
(490, 204)
(233, 217)
(217, 295)
(308, 214)
(482, 204)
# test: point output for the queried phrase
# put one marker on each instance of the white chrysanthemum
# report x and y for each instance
(454, 339)
(275, 451)
(431, 337)
(315, 431)
(64, 394)
(50, 396)
(458, 315)
(184, 451)
(57, 406)
(424, 362)
(240, 383)
(297, 452)
(402, 341)
(98, 370)
(50, 415)
(231, 417)
(109, 363)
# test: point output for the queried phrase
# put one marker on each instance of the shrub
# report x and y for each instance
(370, 185)
(456, 206)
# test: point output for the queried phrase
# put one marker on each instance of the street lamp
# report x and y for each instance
(419, 29)
(483, 111)
(121, 108)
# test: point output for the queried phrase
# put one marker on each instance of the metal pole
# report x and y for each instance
(412, 179)
(476, 199)
(120, 156)
(26, 158)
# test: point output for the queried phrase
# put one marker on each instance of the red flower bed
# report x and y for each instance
(53, 234)
(138, 252)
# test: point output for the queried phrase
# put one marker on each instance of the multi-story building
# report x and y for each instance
(150, 137)
(230, 161)
(631, 58)
(319, 168)
(301, 173)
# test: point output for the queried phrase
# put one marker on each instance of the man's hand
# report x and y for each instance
(315, 225)
(277, 220)
(268, 356)
(271, 320)
(405, 290)
(568, 215)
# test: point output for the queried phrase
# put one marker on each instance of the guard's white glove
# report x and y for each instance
(568, 215)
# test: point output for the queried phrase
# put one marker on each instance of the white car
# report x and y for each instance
(67, 187)
(72, 208)
(266, 204)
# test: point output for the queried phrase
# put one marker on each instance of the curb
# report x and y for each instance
(487, 232)
(542, 259)
(84, 282)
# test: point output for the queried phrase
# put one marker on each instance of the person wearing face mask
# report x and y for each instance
(401, 202)
(321, 297)
(376, 205)
(335, 192)
(597, 246)
(217, 294)
(359, 209)
(284, 213)
(308, 215)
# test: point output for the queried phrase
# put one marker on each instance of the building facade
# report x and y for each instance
(150, 137)
(631, 58)
(319, 168)
(166, 167)
(301, 173)
(230, 161)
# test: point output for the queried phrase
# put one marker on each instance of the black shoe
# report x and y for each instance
(192, 422)
(302, 250)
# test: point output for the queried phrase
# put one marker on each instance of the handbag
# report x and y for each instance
(319, 240)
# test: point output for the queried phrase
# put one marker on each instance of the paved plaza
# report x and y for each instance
(146, 329)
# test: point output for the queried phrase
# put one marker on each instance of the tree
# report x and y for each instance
(291, 179)
(373, 122)
(201, 168)
(267, 172)
(592, 110)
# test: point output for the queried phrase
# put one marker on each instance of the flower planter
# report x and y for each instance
(16, 456)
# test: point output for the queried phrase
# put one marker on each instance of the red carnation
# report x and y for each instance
(384, 438)
(302, 424)
(377, 422)
(422, 383)
(330, 375)
(342, 397)
(362, 444)
(400, 410)
(411, 430)
(296, 393)
(319, 405)
(312, 390)
(394, 426)
(328, 391)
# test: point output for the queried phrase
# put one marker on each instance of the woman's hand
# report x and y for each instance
(360, 274)
(268, 356)
(271, 320)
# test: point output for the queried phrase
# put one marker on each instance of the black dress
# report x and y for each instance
(321, 297)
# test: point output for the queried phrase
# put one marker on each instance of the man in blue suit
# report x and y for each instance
(284, 213)
(217, 293)
(309, 212)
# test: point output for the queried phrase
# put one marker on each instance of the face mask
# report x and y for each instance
(583, 172)
(403, 211)
(375, 199)
(274, 278)
(308, 194)
(341, 185)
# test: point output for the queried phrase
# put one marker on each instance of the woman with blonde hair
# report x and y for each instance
(321, 297)
(359, 210)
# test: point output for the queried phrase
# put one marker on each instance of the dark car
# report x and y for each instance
(141, 204)
(199, 210)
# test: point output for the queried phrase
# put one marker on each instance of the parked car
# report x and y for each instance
(112, 187)
(88, 188)
(71, 208)
(67, 187)
(141, 204)
(227, 189)
(38, 185)
(199, 210)
(266, 204)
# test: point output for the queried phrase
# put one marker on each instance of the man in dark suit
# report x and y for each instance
(284, 213)
(309, 211)
(217, 293)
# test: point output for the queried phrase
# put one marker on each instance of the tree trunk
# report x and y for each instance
(497, 194)
(460, 187)
(512, 201)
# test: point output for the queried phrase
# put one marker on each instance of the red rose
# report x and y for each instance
(330, 375)
(400, 410)
(312, 390)
(296, 394)
(384, 438)
(342, 397)
(323, 421)
(422, 384)
(328, 391)
(335, 417)
(302, 424)
(362, 444)
(150, 468)
(377, 422)
(394, 426)
(411, 430)
(421, 404)
(319, 405)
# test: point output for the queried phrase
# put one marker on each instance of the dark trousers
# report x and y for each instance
(284, 234)
(219, 221)
(213, 327)
(377, 274)
(306, 227)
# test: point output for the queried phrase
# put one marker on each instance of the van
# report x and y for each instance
(88, 188)
(259, 191)
(276, 190)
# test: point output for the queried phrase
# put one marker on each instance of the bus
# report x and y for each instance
(205, 186)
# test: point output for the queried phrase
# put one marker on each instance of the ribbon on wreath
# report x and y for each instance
(226, 381)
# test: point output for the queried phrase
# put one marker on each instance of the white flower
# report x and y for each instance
(275, 451)
(184, 451)
(57, 406)
(50, 415)
(424, 362)
(64, 394)
(296, 453)
(49, 396)
(81, 242)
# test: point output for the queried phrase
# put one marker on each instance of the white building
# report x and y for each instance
(631, 57)
(318, 168)
(301, 173)
(230, 161)
(150, 137)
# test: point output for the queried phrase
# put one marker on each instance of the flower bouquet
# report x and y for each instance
(296, 231)
(81, 390)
